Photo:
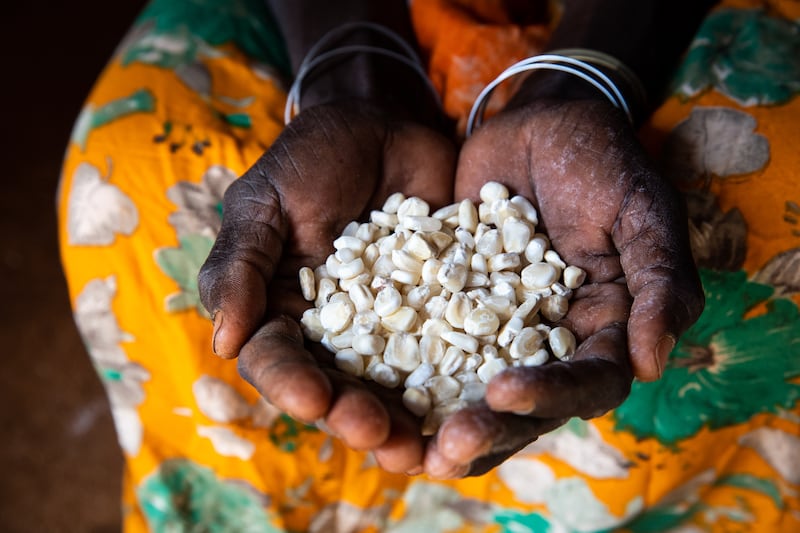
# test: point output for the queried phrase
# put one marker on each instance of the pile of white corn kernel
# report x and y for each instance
(441, 302)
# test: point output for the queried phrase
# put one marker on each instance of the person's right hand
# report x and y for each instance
(331, 165)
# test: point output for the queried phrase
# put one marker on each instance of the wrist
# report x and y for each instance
(381, 82)
(367, 62)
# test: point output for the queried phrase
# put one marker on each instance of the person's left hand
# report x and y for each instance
(607, 211)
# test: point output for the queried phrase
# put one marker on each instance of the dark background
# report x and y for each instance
(60, 465)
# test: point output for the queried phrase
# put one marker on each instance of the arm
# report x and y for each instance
(648, 37)
(606, 209)
(369, 78)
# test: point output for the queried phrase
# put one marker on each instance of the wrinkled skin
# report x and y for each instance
(598, 200)
(330, 166)
(607, 211)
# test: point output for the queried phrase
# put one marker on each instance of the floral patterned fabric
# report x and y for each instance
(191, 99)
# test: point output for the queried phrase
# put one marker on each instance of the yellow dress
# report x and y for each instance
(195, 94)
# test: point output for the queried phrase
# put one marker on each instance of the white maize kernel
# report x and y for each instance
(552, 257)
(465, 238)
(367, 232)
(503, 262)
(446, 212)
(350, 362)
(436, 307)
(440, 240)
(473, 391)
(405, 261)
(418, 223)
(478, 264)
(490, 368)
(361, 279)
(387, 301)
(417, 296)
(362, 297)
(562, 343)
(402, 352)
(492, 190)
(431, 349)
(534, 251)
(526, 343)
(368, 344)
(393, 202)
(526, 209)
(350, 229)
(466, 342)
(539, 275)
(574, 277)
(509, 331)
(442, 388)
(528, 307)
(307, 284)
(351, 269)
(413, 207)
(554, 307)
(539, 357)
(404, 319)
(417, 401)
(516, 235)
(502, 210)
(342, 340)
(419, 375)
(452, 276)
(383, 374)
(352, 243)
(481, 322)
(366, 323)
(406, 277)
(312, 327)
(435, 327)
(336, 316)
(490, 244)
(452, 361)
(419, 248)
(430, 270)
(457, 310)
(383, 219)
(467, 215)
(383, 267)
(472, 362)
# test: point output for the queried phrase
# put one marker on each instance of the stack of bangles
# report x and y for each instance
(579, 62)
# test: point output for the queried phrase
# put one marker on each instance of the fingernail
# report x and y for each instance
(217, 326)
(663, 349)
(415, 471)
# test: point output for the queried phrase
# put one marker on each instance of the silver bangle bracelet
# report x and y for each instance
(564, 63)
(316, 58)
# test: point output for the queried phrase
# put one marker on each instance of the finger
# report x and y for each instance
(275, 362)
(594, 382)
(402, 452)
(356, 416)
(476, 439)
(418, 162)
(234, 278)
(652, 236)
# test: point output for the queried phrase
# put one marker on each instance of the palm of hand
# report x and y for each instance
(606, 211)
(332, 165)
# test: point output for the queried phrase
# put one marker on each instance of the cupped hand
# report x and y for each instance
(607, 211)
(331, 165)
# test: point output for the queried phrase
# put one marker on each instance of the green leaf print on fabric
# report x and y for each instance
(91, 117)
(246, 23)
(747, 55)
(754, 483)
(725, 369)
(182, 496)
(182, 264)
(285, 432)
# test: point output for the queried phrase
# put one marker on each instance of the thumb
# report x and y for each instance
(653, 238)
(233, 281)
